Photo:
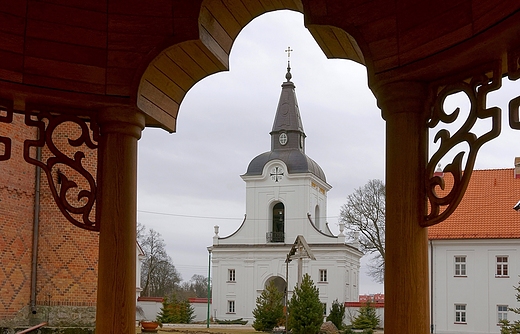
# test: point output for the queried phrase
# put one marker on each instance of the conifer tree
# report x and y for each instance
(186, 312)
(176, 312)
(305, 308)
(337, 314)
(508, 327)
(367, 318)
(269, 309)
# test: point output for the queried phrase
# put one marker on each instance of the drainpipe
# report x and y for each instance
(36, 223)
(431, 287)
(209, 284)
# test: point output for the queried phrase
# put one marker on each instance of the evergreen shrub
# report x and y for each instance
(269, 309)
(305, 308)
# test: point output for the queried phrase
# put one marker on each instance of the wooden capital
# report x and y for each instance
(117, 201)
(128, 121)
(401, 97)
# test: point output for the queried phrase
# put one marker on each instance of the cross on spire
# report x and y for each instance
(289, 52)
(288, 76)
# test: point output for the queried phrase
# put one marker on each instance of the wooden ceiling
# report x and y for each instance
(91, 54)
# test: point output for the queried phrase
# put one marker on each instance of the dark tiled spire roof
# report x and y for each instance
(288, 114)
(288, 122)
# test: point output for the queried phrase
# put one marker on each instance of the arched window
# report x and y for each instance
(279, 282)
(278, 223)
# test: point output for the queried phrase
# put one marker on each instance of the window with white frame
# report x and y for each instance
(460, 266)
(460, 313)
(502, 267)
(502, 312)
(323, 275)
(231, 306)
(231, 275)
(324, 308)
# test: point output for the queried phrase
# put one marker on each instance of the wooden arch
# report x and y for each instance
(178, 67)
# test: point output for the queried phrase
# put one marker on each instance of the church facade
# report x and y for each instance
(286, 201)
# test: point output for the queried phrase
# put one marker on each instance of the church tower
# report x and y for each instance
(296, 184)
(286, 197)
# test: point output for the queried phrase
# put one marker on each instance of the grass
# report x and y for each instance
(248, 330)
(204, 330)
(222, 330)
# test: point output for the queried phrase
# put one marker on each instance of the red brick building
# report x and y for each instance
(63, 281)
(372, 298)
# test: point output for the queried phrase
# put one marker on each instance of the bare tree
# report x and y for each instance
(197, 286)
(159, 277)
(364, 215)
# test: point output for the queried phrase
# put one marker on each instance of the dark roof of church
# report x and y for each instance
(287, 116)
(296, 161)
(287, 120)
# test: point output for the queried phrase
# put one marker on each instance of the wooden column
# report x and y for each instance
(406, 260)
(120, 130)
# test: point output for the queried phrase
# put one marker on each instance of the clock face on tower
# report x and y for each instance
(283, 138)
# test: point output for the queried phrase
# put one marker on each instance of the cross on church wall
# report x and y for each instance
(277, 175)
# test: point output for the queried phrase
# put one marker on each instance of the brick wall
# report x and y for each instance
(16, 220)
(67, 255)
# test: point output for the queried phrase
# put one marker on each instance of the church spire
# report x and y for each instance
(287, 137)
(287, 132)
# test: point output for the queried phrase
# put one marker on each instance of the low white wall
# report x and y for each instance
(201, 311)
(150, 309)
(352, 312)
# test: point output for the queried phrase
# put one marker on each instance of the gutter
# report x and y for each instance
(36, 225)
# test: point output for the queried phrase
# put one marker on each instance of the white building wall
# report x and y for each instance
(258, 267)
(479, 290)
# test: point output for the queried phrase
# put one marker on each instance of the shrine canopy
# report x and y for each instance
(147, 54)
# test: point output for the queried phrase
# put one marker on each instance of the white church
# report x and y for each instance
(286, 200)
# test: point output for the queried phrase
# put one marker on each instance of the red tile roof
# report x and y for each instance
(486, 211)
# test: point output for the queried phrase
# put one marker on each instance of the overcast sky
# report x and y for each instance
(190, 181)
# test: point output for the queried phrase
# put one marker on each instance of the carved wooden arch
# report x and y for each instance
(178, 67)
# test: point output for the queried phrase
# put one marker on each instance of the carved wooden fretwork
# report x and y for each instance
(476, 89)
(513, 73)
(75, 201)
(6, 116)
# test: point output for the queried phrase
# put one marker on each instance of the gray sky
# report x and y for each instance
(190, 181)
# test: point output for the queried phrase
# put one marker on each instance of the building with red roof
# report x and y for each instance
(475, 256)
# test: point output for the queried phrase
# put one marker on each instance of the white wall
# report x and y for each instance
(255, 266)
(480, 290)
(150, 308)
(200, 311)
(352, 312)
